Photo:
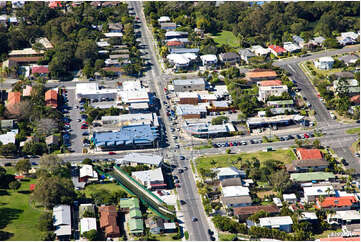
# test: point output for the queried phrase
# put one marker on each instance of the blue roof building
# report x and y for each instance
(127, 136)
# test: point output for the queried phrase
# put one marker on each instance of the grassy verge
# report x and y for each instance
(186, 235)
(226, 38)
(286, 156)
(202, 147)
(326, 233)
(17, 217)
(192, 165)
(226, 237)
(353, 131)
(164, 237)
(178, 205)
(111, 187)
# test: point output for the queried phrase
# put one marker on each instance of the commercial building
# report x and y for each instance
(218, 106)
(207, 130)
(127, 137)
(134, 159)
(312, 193)
(188, 98)
(307, 165)
(132, 119)
(187, 111)
(264, 92)
(283, 223)
(92, 91)
(280, 120)
(152, 179)
(324, 63)
(186, 85)
(62, 222)
(108, 221)
(308, 154)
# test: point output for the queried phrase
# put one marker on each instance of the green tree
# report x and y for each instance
(14, 185)
(50, 162)
(220, 120)
(91, 235)
(280, 180)
(8, 149)
(23, 166)
(46, 222)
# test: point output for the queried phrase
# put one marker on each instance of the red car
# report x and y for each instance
(177, 185)
(84, 127)
(66, 123)
(306, 136)
(111, 153)
(85, 122)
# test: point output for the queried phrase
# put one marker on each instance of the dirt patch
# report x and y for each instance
(265, 193)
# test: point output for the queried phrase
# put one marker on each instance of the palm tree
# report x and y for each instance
(328, 191)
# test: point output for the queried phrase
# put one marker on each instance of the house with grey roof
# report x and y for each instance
(349, 59)
(246, 54)
(229, 58)
(62, 221)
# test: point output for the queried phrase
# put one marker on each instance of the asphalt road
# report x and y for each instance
(307, 89)
(188, 190)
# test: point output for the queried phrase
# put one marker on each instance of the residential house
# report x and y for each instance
(136, 227)
(355, 100)
(108, 221)
(344, 217)
(52, 140)
(181, 61)
(244, 212)
(236, 196)
(277, 50)
(259, 50)
(115, 27)
(51, 98)
(175, 35)
(175, 44)
(339, 203)
(155, 225)
(152, 179)
(27, 91)
(7, 123)
(312, 193)
(317, 41)
(312, 176)
(224, 173)
(324, 63)
(134, 159)
(280, 103)
(168, 26)
(13, 101)
(186, 85)
(231, 182)
(351, 35)
(164, 19)
(264, 92)
(209, 60)
(229, 58)
(343, 74)
(87, 174)
(283, 223)
(269, 83)
(87, 224)
(291, 47)
(298, 40)
(260, 75)
(345, 40)
(307, 165)
(310, 217)
(246, 55)
(45, 42)
(349, 59)
(170, 228)
(62, 222)
(184, 50)
(128, 204)
(308, 154)
(40, 70)
(290, 198)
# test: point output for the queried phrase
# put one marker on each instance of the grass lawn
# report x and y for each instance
(326, 233)
(16, 215)
(202, 147)
(164, 237)
(226, 236)
(111, 187)
(286, 156)
(226, 38)
(356, 146)
(353, 131)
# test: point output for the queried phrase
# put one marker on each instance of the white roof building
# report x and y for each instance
(132, 119)
(102, 44)
(45, 42)
(164, 19)
(228, 172)
(259, 50)
(209, 59)
(7, 138)
(87, 224)
(266, 91)
(87, 171)
(349, 82)
(181, 60)
(132, 85)
(308, 216)
(291, 47)
(289, 197)
(275, 222)
(187, 95)
(347, 216)
(113, 34)
(62, 220)
(235, 191)
(149, 177)
(311, 193)
(351, 35)
(324, 63)
(141, 158)
(277, 201)
(133, 96)
(26, 51)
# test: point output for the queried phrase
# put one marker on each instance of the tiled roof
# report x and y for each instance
(174, 43)
(108, 220)
(270, 83)
(13, 98)
(355, 99)
(329, 202)
(25, 59)
(309, 154)
(310, 163)
(277, 48)
(40, 69)
(263, 74)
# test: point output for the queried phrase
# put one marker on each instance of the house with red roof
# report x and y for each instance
(308, 154)
(51, 98)
(13, 102)
(355, 100)
(277, 50)
(338, 203)
(175, 44)
(39, 69)
(55, 4)
(269, 83)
